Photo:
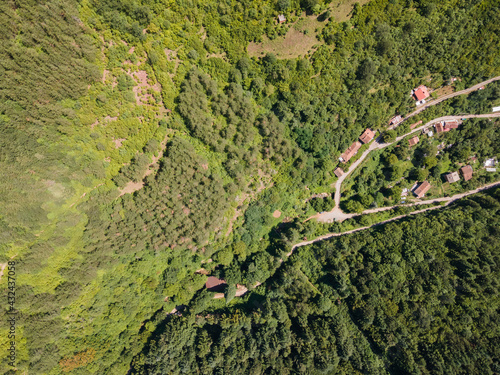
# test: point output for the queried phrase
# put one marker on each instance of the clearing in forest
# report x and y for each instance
(301, 37)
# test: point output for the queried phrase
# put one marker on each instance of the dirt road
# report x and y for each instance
(337, 213)
(444, 97)
(448, 201)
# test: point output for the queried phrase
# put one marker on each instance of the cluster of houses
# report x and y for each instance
(366, 137)
(446, 126)
(424, 187)
(454, 177)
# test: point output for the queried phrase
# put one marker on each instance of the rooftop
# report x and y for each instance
(422, 189)
(452, 177)
(214, 284)
(338, 171)
(453, 124)
(350, 152)
(439, 127)
(421, 93)
(413, 141)
(466, 172)
(367, 136)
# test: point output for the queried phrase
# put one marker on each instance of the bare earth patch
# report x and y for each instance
(276, 214)
(118, 142)
(141, 89)
(131, 187)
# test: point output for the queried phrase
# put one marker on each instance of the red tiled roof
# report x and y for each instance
(350, 152)
(214, 283)
(338, 171)
(421, 93)
(413, 141)
(453, 124)
(412, 126)
(367, 136)
(466, 172)
(422, 189)
(439, 127)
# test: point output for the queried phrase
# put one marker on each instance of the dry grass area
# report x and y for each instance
(445, 90)
(341, 10)
(295, 43)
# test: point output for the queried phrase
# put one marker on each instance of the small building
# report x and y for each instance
(490, 162)
(395, 120)
(367, 136)
(452, 177)
(338, 172)
(214, 284)
(439, 127)
(453, 124)
(495, 109)
(412, 126)
(350, 152)
(421, 93)
(413, 141)
(491, 169)
(466, 172)
(281, 18)
(422, 189)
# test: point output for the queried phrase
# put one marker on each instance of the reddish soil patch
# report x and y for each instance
(276, 214)
(118, 142)
(141, 89)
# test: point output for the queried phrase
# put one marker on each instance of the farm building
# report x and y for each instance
(421, 93)
(466, 172)
(350, 152)
(413, 141)
(452, 177)
(367, 136)
(422, 189)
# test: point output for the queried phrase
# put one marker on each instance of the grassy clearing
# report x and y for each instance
(301, 37)
(294, 44)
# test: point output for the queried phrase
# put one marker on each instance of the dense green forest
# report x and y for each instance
(415, 296)
(142, 141)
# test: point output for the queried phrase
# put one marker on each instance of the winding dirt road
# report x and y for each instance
(337, 213)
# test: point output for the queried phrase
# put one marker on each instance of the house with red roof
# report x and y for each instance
(466, 172)
(421, 93)
(422, 189)
(413, 141)
(367, 136)
(350, 152)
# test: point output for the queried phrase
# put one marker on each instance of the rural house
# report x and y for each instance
(395, 120)
(466, 172)
(281, 18)
(350, 152)
(422, 189)
(214, 284)
(338, 172)
(452, 177)
(439, 127)
(413, 141)
(367, 136)
(421, 93)
(453, 124)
